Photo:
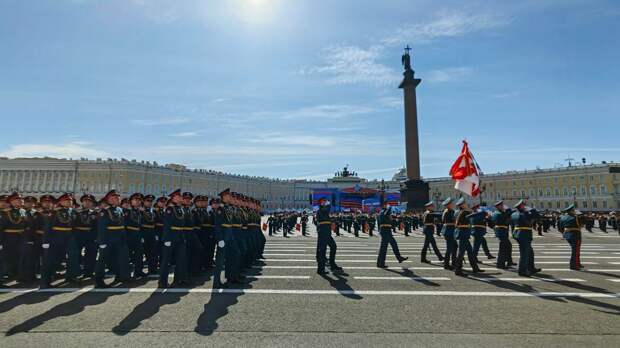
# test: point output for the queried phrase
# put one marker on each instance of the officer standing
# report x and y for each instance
(462, 232)
(149, 220)
(325, 239)
(304, 224)
(112, 241)
(231, 247)
(385, 229)
(570, 226)
(59, 241)
(501, 222)
(447, 230)
(522, 220)
(86, 234)
(14, 224)
(205, 234)
(133, 223)
(428, 219)
(174, 243)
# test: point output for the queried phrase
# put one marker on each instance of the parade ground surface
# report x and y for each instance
(285, 303)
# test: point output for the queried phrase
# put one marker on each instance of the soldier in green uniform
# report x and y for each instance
(174, 243)
(570, 226)
(86, 234)
(522, 220)
(428, 219)
(462, 232)
(447, 230)
(304, 224)
(14, 223)
(150, 244)
(231, 246)
(133, 224)
(39, 219)
(30, 249)
(478, 230)
(204, 228)
(385, 228)
(325, 239)
(501, 222)
(59, 241)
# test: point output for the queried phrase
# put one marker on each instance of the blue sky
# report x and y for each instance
(299, 88)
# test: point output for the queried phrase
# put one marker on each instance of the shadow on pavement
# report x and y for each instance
(407, 273)
(341, 284)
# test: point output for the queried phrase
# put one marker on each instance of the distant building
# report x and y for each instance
(595, 187)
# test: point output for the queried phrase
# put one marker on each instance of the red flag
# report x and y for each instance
(465, 173)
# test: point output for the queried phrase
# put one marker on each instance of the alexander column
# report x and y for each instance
(415, 191)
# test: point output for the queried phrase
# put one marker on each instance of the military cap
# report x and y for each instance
(569, 208)
(214, 200)
(65, 197)
(460, 201)
(188, 195)
(136, 195)
(124, 200)
(225, 192)
(13, 196)
(429, 204)
(520, 202)
(47, 198)
(88, 196)
(499, 203)
(176, 192)
(149, 198)
(446, 201)
(162, 199)
(30, 199)
(475, 205)
(110, 194)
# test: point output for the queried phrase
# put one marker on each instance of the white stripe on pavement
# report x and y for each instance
(325, 292)
(402, 278)
(615, 280)
(278, 277)
(524, 279)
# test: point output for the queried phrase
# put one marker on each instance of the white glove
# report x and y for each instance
(209, 209)
(45, 245)
(142, 240)
(103, 246)
(167, 244)
(156, 238)
(221, 244)
(1, 247)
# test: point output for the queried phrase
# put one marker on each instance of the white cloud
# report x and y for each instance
(449, 74)
(353, 64)
(184, 134)
(505, 95)
(68, 150)
(294, 139)
(163, 121)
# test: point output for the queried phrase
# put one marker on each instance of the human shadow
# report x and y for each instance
(488, 278)
(341, 284)
(151, 306)
(219, 303)
(27, 298)
(408, 273)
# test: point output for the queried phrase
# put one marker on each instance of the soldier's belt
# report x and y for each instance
(39, 232)
(325, 223)
(385, 225)
(177, 228)
(62, 229)
(449, 224)
(523, 229)
(255, 225)
(236, 225)
(429, 224)
(131, 228)
(572, 229)
(462, 226)
(188, 228)
(501, 226)
(226, 225)
(159, 225)
(116, 228)
(83, 228)
(244, 228)
(207, 225)
(148, 226)
(481, 226)
(13, 230)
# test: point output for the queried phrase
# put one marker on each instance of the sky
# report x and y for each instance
(300, 88)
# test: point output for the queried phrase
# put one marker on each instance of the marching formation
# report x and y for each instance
(131, 238)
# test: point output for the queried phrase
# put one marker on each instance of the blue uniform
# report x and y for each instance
(501, 223)
(478, 230)
(112, 241)
(447, 230)
(133, 223)
(429, 235)
(385, 229)
(522, 222)
(86, 236)
(570, 226)
(61, 240)
(462, 233)
(174, 245)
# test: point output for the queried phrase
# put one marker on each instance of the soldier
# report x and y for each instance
(174, 243)
(38, 223)
(447, 230)
(29, 254)
(271, 221)
(570, 226)
(522, 220)
(133, 223)
(112, 241)
(385, 228)
(14, 223)
(372, 220)
(218, 218)
(205, 232)
(59, 241)
(501, 220)
(86, 234)
(194, 247)
(602, 223)
(462, 232)
(160, 209)
(231, 246)
(356, 224)
(304, 224)
(325, 239)
(149, 235)
(479, 229)
(428, 219)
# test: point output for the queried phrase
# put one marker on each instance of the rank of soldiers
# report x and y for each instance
(130, 238)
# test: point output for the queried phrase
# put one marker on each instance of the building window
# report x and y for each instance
(566, 203)
(557, 192)
(592, 190)
(604, 204)
(594, 205)
(584, 204)
(603, 189)
(583, 190)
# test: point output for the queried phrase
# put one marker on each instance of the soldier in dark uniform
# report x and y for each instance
(85, 232)
(385, 228)
(133, 223)
(59, 241)
(112, 241)
(231, 247)
(39, 218)
(14, 223)
(218, 218)
(521, 220)
(325, 239)
(29, 254)
(428, 219)
(462, 232)
(447, 230)
(356, 225)
(372, 220)
(501, 222)
(304, 224)
(479, 229)
(174, 243)
(570, 226)
(602, 223)
(205, 232)
(160, 209)
(150, 245)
